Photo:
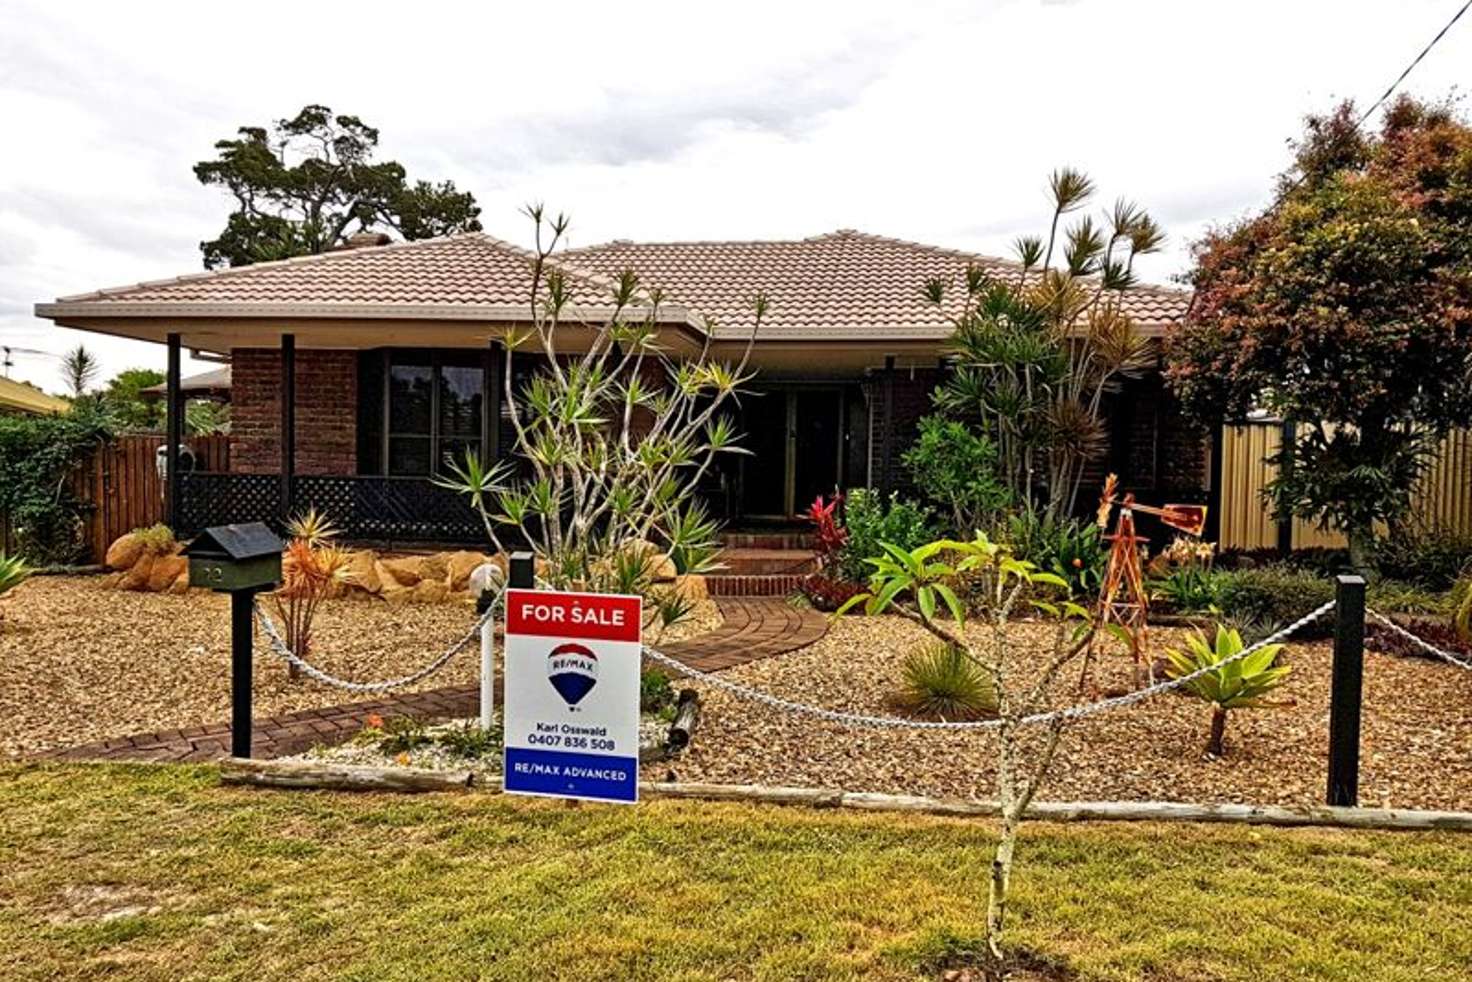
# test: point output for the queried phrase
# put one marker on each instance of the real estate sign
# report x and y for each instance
(571, 712)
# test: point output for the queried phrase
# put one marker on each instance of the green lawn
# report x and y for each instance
(153, 872)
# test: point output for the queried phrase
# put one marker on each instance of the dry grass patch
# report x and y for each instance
(251, 884)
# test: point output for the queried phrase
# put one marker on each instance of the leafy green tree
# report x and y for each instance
(123, 398)
(957, 469)
(307, 183)
(1345, 305)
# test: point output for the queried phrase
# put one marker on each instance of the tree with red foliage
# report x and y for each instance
(1346, 306)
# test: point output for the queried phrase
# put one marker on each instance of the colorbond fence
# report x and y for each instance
(1442, 501)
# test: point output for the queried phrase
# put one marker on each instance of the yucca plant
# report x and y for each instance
(13, 572)
(939, 681)
(1240, 684)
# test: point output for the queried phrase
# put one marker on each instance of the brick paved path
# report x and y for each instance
(753, 628)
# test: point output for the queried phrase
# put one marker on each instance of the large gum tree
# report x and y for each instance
(1346, 306)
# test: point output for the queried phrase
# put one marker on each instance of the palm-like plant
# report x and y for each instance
(13, 572)
(1035, 353)
(1236, 683)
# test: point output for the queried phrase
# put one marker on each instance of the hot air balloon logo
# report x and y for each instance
(573, 671)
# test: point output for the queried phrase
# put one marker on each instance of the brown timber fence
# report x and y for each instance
(1442, 500)
(121, 484)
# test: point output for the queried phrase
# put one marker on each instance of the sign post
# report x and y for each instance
(571, 708)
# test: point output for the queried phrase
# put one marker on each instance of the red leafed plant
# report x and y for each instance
(829, 537)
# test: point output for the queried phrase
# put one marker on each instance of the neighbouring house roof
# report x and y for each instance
(19, 397)
(211, 383)
(841, 286)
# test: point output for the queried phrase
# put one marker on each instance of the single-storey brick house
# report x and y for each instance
(354, 372)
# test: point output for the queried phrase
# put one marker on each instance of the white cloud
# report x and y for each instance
(931, 121)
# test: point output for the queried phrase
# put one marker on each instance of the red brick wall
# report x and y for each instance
(326, 411)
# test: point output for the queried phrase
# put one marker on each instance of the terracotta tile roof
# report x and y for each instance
(843, 284)
(470, 270)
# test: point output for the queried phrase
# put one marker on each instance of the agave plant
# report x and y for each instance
(13, 571)
(1242, 683)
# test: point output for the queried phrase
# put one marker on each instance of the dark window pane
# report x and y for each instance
(460, 400)
(454, 450)
(409, 455)
(409, 398)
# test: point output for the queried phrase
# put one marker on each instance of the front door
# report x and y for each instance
(796, 442)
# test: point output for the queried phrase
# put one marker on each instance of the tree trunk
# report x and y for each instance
(996, 901)
(1361, 548)
(1216, 746)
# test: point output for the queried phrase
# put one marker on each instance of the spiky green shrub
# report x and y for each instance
(13, 572)
(1240, 684)
(940, 681)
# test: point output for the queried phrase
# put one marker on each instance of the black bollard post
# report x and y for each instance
(242, 643)
(523, 571)
(1347, 691)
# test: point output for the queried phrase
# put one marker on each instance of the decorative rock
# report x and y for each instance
(460, 566)
(429, 592)
(404, 571)
(434, 567)
(164, 571)
(125, 551)
(363, 572)
(692, 587)
(661, 567)
(136, 578)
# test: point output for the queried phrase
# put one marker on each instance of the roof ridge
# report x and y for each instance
(315, 257)
(851, 233)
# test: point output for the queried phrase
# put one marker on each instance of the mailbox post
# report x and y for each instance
(241, 560)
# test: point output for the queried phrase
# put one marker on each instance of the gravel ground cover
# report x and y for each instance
(1416, 749)
(435, 756)
(79, 662)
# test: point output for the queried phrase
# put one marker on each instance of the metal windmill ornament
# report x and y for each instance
(1124, 601)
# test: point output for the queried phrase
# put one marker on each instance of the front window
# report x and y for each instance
(434, 408)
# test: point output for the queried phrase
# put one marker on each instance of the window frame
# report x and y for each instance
(435, 359)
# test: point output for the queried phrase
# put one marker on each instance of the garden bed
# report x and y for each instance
(1416, 753)
(80, 662)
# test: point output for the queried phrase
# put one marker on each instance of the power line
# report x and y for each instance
(1412, 66)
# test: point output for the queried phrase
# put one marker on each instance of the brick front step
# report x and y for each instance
(759, 585)
(767, 540)
(764, 562)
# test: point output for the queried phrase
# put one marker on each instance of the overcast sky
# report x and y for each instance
(936, 122)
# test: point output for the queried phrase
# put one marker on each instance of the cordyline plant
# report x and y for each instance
(310, 571)
(1036, 349)
(614, 435)
(918, 584)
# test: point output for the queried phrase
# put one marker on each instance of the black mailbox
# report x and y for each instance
(235, 557)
